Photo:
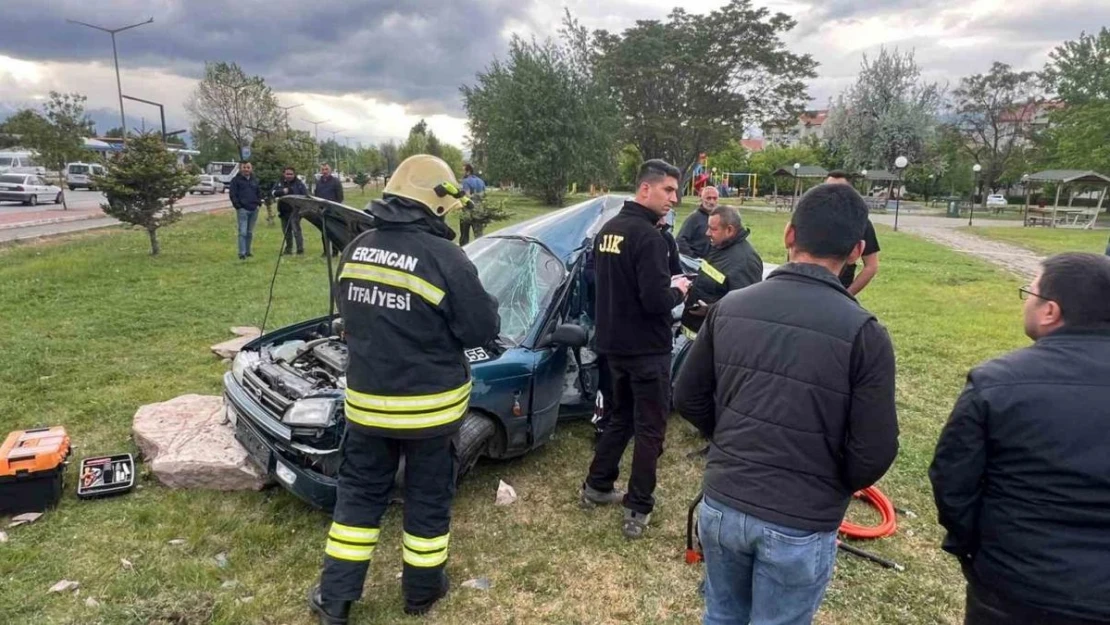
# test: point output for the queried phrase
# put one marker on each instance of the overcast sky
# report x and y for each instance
(374, 67)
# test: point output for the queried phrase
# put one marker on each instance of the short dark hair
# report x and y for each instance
(468, 168)
(1080, 284)
(729, 216)
(656, 169)
(838, 173)
(289, 168)
(829, 221)
(241, 163)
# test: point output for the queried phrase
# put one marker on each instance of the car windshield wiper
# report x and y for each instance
(524, 237)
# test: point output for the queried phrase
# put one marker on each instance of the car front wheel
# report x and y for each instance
(33, 200)
(58, 198)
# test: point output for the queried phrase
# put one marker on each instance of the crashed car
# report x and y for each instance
(284, 393)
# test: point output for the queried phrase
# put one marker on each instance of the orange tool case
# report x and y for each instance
(32, 469)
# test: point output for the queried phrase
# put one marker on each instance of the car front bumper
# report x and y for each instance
(260, 433)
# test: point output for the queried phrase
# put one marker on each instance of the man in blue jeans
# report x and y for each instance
(793, 382)
(246, 196)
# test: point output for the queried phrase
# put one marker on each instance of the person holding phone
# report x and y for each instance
(290, 184)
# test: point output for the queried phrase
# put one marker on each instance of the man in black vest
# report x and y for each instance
(1021, 475)
(635, 296)
(793, 382)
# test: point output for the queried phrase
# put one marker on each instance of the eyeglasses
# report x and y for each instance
(1026, 291)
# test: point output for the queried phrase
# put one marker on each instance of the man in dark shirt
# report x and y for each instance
(290, 184)
(635, 296)
(1021, 475)
(328, 187)
(793, 382)
(245, 196)
(691, 237)
(871, 250)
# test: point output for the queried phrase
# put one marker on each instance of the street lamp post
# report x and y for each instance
(797, 184)
(115, 58)
(161, 112)
(863, 173)
(971, 215)
(316, 128)
(899, 165)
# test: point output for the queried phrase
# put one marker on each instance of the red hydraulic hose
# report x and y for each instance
(882, 503)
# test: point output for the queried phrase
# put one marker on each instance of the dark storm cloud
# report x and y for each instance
(398, 50)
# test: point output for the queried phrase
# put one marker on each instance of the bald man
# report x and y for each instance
(693, 239)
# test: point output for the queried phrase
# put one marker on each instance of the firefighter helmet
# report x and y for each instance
(428, 180)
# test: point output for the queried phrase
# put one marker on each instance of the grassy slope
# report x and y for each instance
(1049, 240)
(94, 328)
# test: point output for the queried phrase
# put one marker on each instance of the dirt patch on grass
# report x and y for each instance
(1012, 258)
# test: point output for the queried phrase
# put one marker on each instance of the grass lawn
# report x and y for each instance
(94, 327)
(1049, 241)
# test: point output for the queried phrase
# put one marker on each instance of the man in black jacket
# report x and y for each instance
(246, 196)
(635, 297)
(732, 263)
(290, 184)
(411, 303)
(1021, 474)
(793, 382)
(691, 237)
(328, 187)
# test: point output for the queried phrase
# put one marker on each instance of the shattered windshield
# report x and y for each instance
(522, 275)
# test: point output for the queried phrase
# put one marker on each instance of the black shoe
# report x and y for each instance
(287, 252)
(329, 612)
(242, 257)
(249, 255)
(421, 608)
(300, 252)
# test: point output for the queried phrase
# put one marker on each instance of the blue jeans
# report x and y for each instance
(246, 229)
(760, 572)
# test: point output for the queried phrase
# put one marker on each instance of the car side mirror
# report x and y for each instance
(568, 334)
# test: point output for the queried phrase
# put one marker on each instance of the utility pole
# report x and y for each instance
(115, 58)
(316, 128)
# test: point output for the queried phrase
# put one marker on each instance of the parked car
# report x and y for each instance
(20, 162)
(284, 392)
(207, 184)
(996, 200)
(28, 189)
(80, 175)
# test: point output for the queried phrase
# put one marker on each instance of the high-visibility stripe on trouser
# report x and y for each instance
(425, 552)
(354, 544)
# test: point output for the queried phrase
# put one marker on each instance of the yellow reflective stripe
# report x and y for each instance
(402, 421)
(354, 553)
(688, 333)
(712, 272)
(426, 544)
(353, 534)
(411, 402)
(393, 277)
(425, 560)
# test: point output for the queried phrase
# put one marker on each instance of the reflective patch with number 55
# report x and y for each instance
(476, 355)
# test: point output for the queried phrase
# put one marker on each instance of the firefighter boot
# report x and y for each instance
(591, 497)
(413, 608)
(329, 612)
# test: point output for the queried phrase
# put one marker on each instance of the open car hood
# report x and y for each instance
(341, 223)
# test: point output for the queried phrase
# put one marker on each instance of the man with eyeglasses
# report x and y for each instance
(1021, 475)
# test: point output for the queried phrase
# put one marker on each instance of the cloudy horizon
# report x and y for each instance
(375, 67)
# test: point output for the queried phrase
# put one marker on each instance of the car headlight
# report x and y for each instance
(314, 412)
(243, 361)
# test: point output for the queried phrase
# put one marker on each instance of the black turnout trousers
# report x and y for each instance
(366, 478)
(640, 402)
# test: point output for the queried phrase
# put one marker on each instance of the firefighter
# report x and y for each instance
(411, 302)
(732, 263)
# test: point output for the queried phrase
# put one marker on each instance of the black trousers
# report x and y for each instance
(465, 227)
(987, 607)
(366, 477)
(291, 229)
(602, 416)
(640, 402)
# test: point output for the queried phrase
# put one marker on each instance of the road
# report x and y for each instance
(18, 222)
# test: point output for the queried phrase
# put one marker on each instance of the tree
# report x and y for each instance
(390, 156)
(1079, 71)
(175, 141)
(22, 127)
(889, 112)
(114, 133)
(543, 118)
(421, 140)
(361, 179)
(993, 112)
(213, 144)
(1080, 137)
(143, 184)
(690, 84)
(231, 102)
(59, 139)
(628, 164)
(270, 156)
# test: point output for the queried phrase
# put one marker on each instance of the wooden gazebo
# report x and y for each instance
(804, 172)
(1064, 178)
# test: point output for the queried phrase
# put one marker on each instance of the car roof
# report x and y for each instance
(566, 231)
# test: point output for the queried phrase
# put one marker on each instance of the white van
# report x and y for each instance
(20, 163)
(223, 171)
(79, 175)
